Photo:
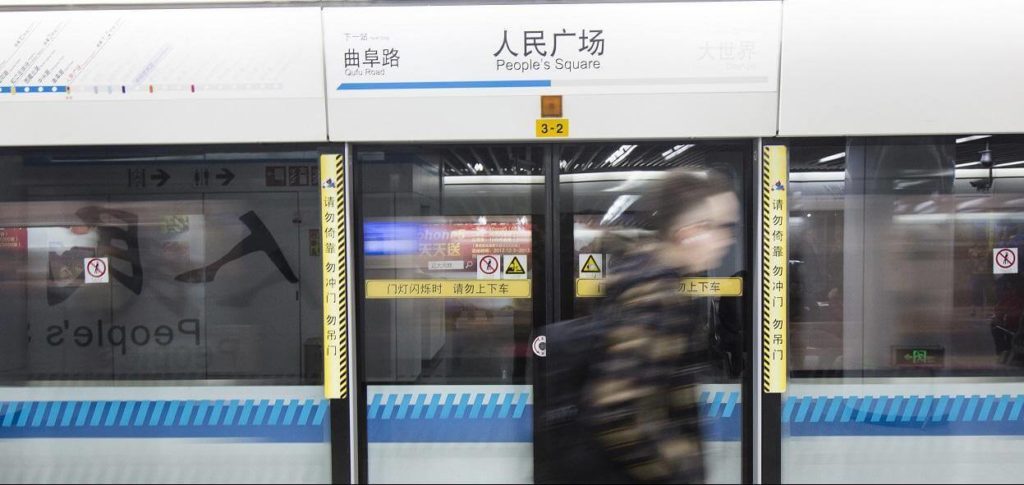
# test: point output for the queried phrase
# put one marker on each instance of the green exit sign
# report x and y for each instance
(919, 356)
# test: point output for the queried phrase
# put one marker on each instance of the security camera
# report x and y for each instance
(986, 157)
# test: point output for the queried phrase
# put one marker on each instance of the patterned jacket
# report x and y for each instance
(641, 398)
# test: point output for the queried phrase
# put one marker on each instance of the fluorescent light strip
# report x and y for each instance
(612, 176)
(1000, 171)
(968, 164)
(493, 179)
(567, 178)
(980, 173)
(620, 155)
(960, 216)
(675, 151)
(817, 177)
(829, 158)
(971, 138)
(620, 205)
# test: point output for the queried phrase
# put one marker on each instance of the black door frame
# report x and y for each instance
(760, 461)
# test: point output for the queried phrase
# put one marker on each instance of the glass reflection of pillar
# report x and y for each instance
(13, 280)
(899, 252)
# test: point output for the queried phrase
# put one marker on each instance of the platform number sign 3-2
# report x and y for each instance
(552, 128)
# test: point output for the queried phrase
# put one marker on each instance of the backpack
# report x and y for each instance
(569, 454)
(725, 336)
(570, 347)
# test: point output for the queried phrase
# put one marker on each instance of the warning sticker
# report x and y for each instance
(1004, 261)
(96, 270)
(513, 267)
(488, 267)
(591, 266)
(697, 287)
(457, 289)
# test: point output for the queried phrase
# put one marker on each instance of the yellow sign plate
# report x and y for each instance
(402, 289)
(553, 128)
(335, 275)
(590, 288)
(713, 287)
(774, 267)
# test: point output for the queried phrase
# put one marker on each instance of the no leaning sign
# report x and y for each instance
(1004, 261)
(96, 270)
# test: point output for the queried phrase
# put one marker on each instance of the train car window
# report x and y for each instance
(161, 315)
(895, 259)
(906, 303)
(150, 264)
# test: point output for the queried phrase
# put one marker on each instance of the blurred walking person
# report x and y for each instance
(639, 358)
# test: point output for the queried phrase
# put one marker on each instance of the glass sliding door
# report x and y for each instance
(451, 244)
(602, 210)
(466, 251)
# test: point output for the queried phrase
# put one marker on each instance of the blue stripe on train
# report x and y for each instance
(899, 415)
(497, 418)
(492, 417)
(455, 418)
(303, 422)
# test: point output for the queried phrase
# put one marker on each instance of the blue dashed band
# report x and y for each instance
(277, 421)
(491, 418)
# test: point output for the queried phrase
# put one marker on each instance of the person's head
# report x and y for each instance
(695, 213)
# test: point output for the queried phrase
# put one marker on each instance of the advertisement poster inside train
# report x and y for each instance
(455, 247)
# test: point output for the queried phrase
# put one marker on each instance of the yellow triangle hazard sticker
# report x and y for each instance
(515, 267)
(591, 266)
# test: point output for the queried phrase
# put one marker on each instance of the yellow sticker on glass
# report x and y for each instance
(406, 289)
(775, 268)
(334, 256)
(696, 287)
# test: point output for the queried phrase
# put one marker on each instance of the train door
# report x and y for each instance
(450, 239)
(466, 251)
(602, 211)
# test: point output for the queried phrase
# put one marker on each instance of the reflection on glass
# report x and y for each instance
(196, 281)
(895, 263)
(602, 190)
(449, 237)
(467, 280)
(905, 285)
(453, 263)
(603, 208)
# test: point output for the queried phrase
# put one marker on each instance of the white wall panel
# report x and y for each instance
(666, 70)
(866, 67)
(161, 76)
